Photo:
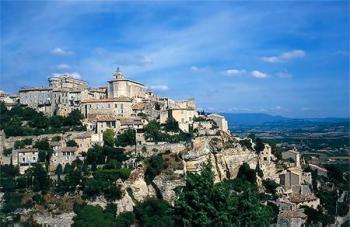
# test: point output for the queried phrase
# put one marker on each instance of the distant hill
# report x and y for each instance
(262, 118)
(252, 118)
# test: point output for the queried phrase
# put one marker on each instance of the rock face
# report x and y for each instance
(140, 190)
(47, 219)
(226, 156)
(125, 204)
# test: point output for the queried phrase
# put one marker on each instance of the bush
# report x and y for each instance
(154, 212)
(71, 143)
(154, 165)
(108, 137)
(128, 137)
(125, 219)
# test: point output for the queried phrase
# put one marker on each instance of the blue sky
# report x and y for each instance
(282, 58)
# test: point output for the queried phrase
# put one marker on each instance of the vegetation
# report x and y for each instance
(154, 165)
(153, 132)
(126, 138)
(25, 121)
(201, 202)
(71, 143)
(108, 137)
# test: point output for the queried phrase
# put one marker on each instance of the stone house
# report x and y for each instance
(183, 116)
(25, 158)
(220, 121)
(117, 106)
(292, 154)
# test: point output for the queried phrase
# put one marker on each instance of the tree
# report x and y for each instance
(152, 131)
(71, 143)
(229, 203)
(125, 219)
(154, 165)
(259, 145)
(12, 201)
(42, 145)
(108, 137)
(74, 118)
(59, 170)
(41, 180)
(126, 138)
(154, 212)
(171, 125)
(270, 186)
(91, 216)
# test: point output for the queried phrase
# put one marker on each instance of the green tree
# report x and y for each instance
(59, 170)
(71, 143)
(108, 137)
(12, 201)
(171, 125)
(41, 180)
(259, 145)
(92, 216)
(230, 203)
(152, 131)
(154, 212)
(125, 219)
(126, 138)
(74, 118)
(154, 165)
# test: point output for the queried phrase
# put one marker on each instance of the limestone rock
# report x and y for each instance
(140, 190)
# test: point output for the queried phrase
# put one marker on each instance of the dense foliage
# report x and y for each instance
(25, 121)
(230, 203)
(154, 132)
(128, 137)
(154, 165)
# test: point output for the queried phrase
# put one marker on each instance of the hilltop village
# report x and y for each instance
(67, 148)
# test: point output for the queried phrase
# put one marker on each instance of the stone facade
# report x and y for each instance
(220, 121)
(121, 87)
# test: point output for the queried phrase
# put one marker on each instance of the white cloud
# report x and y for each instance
(234, 72)
(63, 66)
(61, 52)
(199, 69)
(73, 74)
(283, 57)
(159, 87)
(258, 74)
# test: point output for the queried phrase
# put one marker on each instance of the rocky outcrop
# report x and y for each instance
(226, 156)
(136, 183)
(48, 219)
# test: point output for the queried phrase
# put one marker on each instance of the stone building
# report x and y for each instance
(122, 87)
(292, 154)
(61, 97)
(63, 156)
(184, 116)
(220, 121)
(37, 98)
(25, 158)
(120, 106)
(67, 82)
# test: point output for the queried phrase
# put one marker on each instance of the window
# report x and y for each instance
(23, 159)
(121, 106)
(34, 158)
(116, 105)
